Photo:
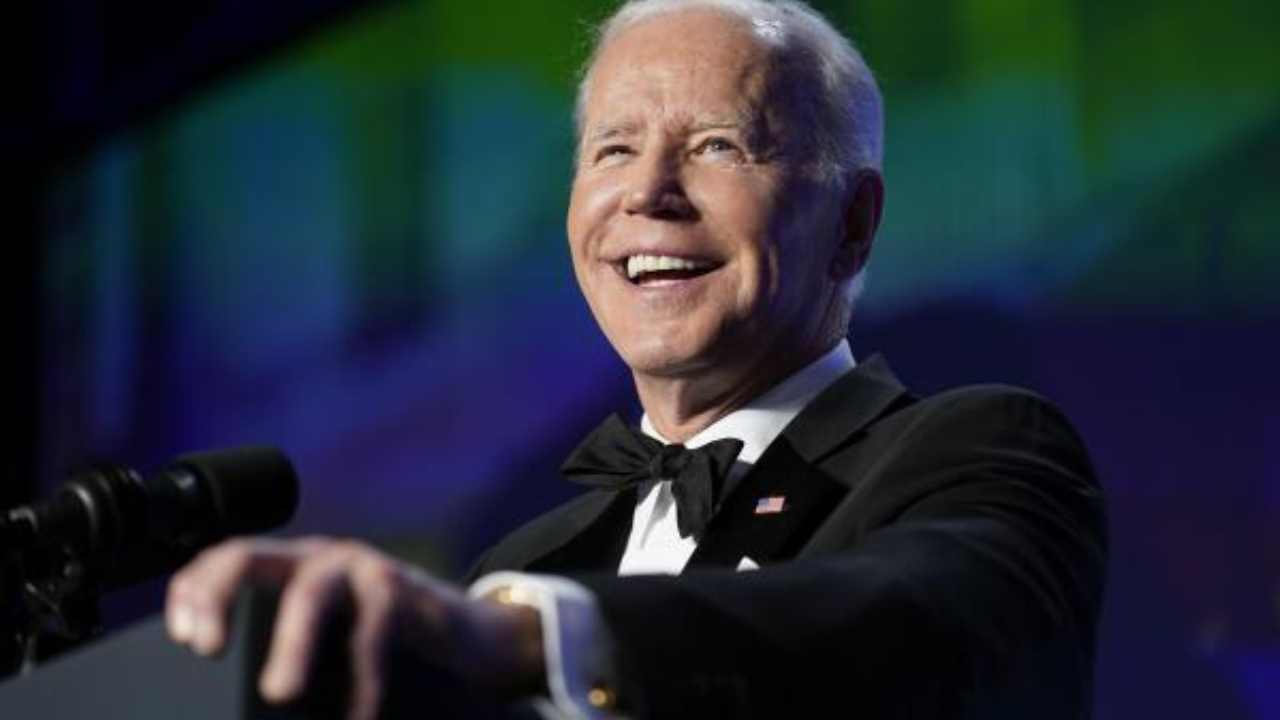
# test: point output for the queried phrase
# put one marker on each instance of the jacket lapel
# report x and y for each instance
(775, 506)
(593, 538)
(589, 533)
(785, 496)
(845, 409)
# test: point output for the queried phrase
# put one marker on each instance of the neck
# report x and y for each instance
(681, 407)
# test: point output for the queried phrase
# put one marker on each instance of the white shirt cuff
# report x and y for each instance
(578, 649)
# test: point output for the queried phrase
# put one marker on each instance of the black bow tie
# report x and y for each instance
(616, 456)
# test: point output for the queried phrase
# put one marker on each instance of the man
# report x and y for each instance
(829, 544)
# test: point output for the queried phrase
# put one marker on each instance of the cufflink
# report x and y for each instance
(511, 595)
(602, 697)
(581, 678)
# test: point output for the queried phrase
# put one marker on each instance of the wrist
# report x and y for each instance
(521, 670)
(580, 680)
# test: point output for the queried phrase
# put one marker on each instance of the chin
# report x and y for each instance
(676, 345)
(667, 359)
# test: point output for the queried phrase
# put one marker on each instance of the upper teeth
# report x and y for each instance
(639, 264)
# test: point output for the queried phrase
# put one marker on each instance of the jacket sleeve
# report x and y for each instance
(960, 578)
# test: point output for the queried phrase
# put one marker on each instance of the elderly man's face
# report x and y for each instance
(699, 243)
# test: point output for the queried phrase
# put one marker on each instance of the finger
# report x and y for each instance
(378, 587)
(199, 595)
(318, 587)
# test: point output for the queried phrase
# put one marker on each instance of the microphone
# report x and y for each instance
(120, 528)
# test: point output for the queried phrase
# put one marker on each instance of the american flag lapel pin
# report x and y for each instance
(771, 505)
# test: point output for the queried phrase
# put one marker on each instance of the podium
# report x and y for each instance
(140, 674)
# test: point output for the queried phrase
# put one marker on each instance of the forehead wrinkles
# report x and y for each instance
(680, 77)
(627, 111)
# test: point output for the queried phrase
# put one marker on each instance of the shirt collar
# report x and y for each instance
(762, 419)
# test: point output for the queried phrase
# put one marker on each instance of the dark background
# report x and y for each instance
(337, 227)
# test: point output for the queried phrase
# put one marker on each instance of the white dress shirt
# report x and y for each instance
(655, 545)
(576, 640)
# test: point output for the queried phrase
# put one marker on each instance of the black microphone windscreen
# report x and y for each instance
(253, 489)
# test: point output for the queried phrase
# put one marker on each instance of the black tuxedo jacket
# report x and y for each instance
(936, 558)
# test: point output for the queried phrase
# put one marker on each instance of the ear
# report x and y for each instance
(864, 203)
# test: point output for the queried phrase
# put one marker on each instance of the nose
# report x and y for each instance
(656, 189)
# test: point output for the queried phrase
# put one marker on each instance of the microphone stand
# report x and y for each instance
(48, 600)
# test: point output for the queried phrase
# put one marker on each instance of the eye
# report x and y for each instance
(610, 152)
(717, 146)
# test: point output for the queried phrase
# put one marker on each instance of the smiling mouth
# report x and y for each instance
(645, 270)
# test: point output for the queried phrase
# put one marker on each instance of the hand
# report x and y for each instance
(497, 648)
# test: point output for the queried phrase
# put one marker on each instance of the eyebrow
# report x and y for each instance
(609, 131)
(744, 124)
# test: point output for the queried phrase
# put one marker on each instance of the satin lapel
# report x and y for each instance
(591, 536)
(786, 496)
(771, 512)
(844, 409)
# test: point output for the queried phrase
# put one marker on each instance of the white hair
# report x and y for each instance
(837, 92)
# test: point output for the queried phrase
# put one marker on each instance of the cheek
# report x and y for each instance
(810, 227)
(766, 258)
(766, 283)
(591, 202)
(575, 222)
(782, 275)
